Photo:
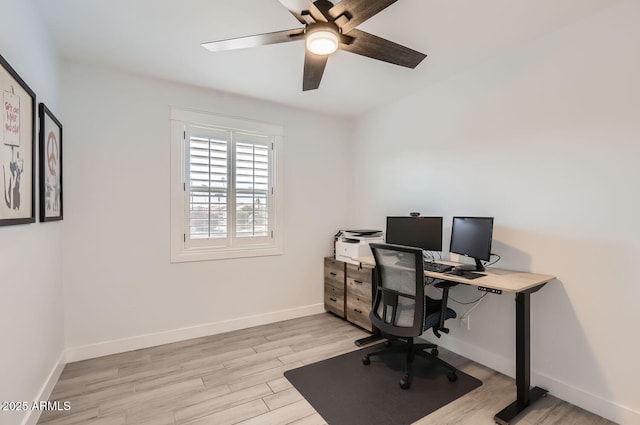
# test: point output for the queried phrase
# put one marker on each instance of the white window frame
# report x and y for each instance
(183, 248)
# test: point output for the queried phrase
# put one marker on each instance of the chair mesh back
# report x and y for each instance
(400, 280)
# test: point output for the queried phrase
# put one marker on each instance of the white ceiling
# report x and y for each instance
(161, 38)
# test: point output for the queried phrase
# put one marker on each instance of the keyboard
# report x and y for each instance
(436, 267)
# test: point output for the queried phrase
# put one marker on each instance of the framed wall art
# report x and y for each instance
(17, 148)
(50, 166)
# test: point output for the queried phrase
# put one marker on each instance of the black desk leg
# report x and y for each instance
(525, 395)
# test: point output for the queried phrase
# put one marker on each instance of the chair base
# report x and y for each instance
(412, 350)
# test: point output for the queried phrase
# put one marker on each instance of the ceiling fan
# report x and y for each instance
(327, 28)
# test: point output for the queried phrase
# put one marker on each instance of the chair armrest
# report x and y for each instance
(445, 285)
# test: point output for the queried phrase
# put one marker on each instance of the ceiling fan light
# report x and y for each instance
(322, 42)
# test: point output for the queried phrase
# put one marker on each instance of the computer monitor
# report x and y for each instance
(471, 237)
(420, 232)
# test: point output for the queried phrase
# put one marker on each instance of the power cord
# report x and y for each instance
(477, 303)
(470, 302)
(431, 255)
(491, 263)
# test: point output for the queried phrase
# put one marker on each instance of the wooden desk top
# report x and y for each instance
(501, 279)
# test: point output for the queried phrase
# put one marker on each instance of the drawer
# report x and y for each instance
(333, 272)
(359, 273)
(359, 288)
(359, 282)
(358, 310)
(334, 300)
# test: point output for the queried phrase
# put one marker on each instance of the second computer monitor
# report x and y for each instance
(421, 232)
(471, 237)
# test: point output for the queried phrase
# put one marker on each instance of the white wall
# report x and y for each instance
(545, 139)
(119, 282)
(31, 324)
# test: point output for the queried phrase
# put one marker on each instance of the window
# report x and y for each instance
(225, 190)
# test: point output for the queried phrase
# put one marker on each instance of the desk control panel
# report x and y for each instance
(493, 291)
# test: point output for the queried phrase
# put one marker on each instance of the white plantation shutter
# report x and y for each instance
(229, 192)
(208, 175)
(252, 186)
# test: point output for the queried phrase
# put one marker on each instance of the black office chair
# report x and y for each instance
(401, 310)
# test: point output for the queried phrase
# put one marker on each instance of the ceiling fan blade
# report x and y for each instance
(299, 17)
(255, 40)
(357, 11)
(313, 69)
(299, 8)
(369, 45)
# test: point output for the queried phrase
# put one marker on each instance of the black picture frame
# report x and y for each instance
(17, 148)
(51, 199)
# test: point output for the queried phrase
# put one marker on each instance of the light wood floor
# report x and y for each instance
(237, 378)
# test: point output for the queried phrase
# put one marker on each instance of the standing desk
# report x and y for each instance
(523, 285)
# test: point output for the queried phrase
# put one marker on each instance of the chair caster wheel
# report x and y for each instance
(434, 352)
(405, 382)
(452, 377)
(366, 361)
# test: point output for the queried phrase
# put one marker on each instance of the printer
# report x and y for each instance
(353, 244)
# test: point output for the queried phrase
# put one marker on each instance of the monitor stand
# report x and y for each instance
(478, 267)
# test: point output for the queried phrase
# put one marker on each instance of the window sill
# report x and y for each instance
(184, 256)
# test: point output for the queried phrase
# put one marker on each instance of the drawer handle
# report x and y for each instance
(334, 300)
(333, 273)
(357, 311)
(358, 282)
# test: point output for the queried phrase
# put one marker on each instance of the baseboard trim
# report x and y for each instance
(593, 403)
(33, 415)
(74, 354)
